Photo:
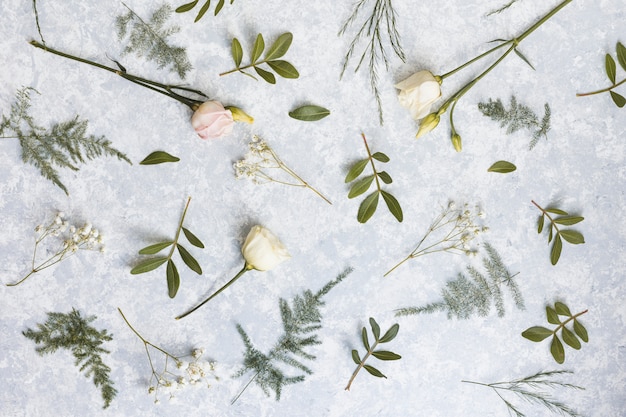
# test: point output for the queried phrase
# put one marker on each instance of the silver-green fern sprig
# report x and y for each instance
(300, 321)
(149, 39)
(72, 331)
(381, 20)
(64, 145)
(531, 389)
(465, 296)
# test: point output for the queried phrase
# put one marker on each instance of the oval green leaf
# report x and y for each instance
(618, 99)
(379, 156)
(148, 265)
(581, 331)
(610, 68)
(374, 371)
(621, 55)
(266, 75)
(502, 167)
(186, 7)
(356, 170)
(173, 279)
(556, 348)
(390, 334)
(203, 10)
(572, 236)
(193, 239)
(536, 333)
(158, 157)
(385, 177)
(361, 186)
(556, 211)
(562, 309)
(393, 205)
(570, 338)
(218, 8)
(568, 220)
(552, 316)
(385, 355)
(258, 48)
(375, 328)
(367, 207)
(284, 69)
(540, 223)
(309, 113)
(355, 357)
(189, 260)
(156, 248)
(279, 47)
(237, 52)
(557, 246)
(366, 342)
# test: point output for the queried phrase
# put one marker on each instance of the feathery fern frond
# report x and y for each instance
(63, 145)
(149, 39)
(72, 331)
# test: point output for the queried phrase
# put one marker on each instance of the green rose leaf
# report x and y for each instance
(257, 49)
(356, 170)
(186, 7)
(375, 328)
(556, 348)
(536, 333)
(203, 10)
(355, 357)
(392, 205)
(568, 220)
(367, 207)
(374, 371)
(148, 265)
(555, 253)
(621, 55)
(283, 68)
(553, 317)
(502, 167)
(193, 239)
(572, 236)
(366, 342)
(158, 157)
(618, 99)
(540, 224)
(156, 248)
(610, 68)
(385, 355)
(390, 334)
(361, 186)
(570, 338)
(309, 113)
(189, 260)
(237, 52)
(279, 47)
(379, 156)
(581, 331)
(173, 279)
(562, 309)
(385, 177)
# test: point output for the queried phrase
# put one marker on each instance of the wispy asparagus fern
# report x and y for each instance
(72, 331)
(149, 39)
(300, 321)
(63, 145)
(465, 296)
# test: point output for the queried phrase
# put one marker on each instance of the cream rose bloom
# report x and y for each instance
(418, 93)
(211, 120)
(262, 250)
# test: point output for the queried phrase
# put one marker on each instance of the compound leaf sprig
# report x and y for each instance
(559, 234)
(611, 72)
(205, 7)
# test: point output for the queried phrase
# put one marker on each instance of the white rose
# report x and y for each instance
(262, 250)
(418, 93)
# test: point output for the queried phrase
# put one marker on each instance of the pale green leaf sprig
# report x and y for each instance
(190, 370)
(64, 145)
(262, 165)
(370, 350)
(370, 203)
(557, 231)
(187, 7)
(452, 231)
(571, 338)
(533, 390)
(171, 271)
(149, 39)
(431, 121)
(279, 48)
(610, 68)
(63, 240)
(73, 332)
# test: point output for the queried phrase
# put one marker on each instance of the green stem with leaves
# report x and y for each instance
(361, 365)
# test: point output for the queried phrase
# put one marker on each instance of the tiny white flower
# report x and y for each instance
(197, 353)
(451, 205)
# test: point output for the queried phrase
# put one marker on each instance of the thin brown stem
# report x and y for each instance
(604, 90)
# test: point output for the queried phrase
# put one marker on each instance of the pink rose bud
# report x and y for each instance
(211, 120)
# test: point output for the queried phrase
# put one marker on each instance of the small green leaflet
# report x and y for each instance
(621, 55)
(158, 157)
(610, 68)
(368, 207)
(309, 113)
(148, 265)
(156, 248)
(237, 52)
(502, 167)
(618, 99)
(205, 7)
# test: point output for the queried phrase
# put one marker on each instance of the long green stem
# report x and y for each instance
(180, 227)
(369, 155)
(484, 54)
(604, 90)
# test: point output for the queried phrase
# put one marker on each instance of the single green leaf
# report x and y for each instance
(173, 279)
(157, 247)
(309, 113)
(568, 220)
(553, 317)
(148, 265)
(555, 253)
(158, 157)
(356, 170)
(621, 55)
(610, 68)
(375, 328)
(361, 186)
(203, 10)
(186, 7)
(193, 239)
(540, 223)
(581, 331)
(266, 75)
(284, 69)
(355, 357)
(390, 334)
(572, 236)
(366, 342)
(385, 177)
(189, 260)
(618, 99)
(279, 47)
(519, 54)
(385, 355)
(537, 333)
(562, 309)
(502, 167)
(257, 49)
(393, 205)
(556, 348)
(374, 371)
(379, 156)
(550, 235)
(367, 207)
(570, 338)
(218, 8)
(237, 52)
(556, 211)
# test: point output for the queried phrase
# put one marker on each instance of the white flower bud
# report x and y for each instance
(262, 250)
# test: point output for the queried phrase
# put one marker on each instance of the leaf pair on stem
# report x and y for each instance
(559, 235)
(611, 72)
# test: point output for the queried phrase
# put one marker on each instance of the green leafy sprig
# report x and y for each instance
(205, 7)
(539, 333)
(611, 72)
(72, 331)
(369, 204)
(173, 277)
(519, 116)
(300, 321)
(383, 355)
(64, 145)
(276, 50)
(559, 234)
(532, 390)
(464, 297)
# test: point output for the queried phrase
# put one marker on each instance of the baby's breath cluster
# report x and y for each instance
(262, 165)
(453, 230)
(68, 240)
